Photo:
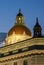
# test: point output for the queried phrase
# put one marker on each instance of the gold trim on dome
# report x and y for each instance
(19, 29)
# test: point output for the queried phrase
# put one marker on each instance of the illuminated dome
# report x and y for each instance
(19, 31)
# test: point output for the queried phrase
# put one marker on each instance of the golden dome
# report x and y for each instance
(19, 29)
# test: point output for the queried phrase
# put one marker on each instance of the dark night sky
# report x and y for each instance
(30, 9)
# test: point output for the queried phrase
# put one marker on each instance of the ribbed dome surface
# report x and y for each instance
(19, 29)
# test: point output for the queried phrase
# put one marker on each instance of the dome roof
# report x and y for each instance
(19, 29)
(37, 24)
(19, 14)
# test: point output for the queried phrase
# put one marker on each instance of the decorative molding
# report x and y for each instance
(22, 44)
(29, 48)
(25, 56)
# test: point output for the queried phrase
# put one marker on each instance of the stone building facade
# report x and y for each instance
(20, 47)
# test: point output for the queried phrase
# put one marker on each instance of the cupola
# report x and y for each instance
(19, 18)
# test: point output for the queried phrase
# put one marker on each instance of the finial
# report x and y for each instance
(19, 10)
(37, 20)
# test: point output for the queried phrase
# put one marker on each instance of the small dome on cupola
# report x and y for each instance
(19, 14)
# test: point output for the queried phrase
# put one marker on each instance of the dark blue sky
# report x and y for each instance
(30, 9)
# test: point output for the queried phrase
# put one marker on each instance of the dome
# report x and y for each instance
(18, 33)
(19, 29)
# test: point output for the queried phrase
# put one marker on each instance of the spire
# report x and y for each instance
(19, 10)
(37, 20)
(37, 29)
(37, 23)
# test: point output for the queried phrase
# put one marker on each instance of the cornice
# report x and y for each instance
(22, 44)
